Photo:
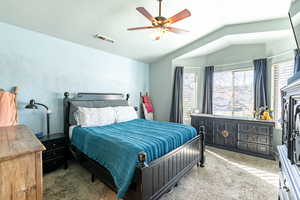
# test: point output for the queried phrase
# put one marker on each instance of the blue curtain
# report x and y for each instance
(296, 75)
(297, 61)
(260, 83)
(207, 106)
(176, 114)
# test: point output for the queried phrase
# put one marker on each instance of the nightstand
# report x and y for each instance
(56, 152)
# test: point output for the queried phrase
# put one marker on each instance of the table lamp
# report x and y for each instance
(34, 105)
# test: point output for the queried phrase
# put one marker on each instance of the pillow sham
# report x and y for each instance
(125, 113)
(95, 116)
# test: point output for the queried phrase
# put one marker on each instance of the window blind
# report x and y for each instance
(281, 73)
(189, 95)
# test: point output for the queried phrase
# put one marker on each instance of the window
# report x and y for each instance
(281, 72)
(189, 95)
(233, 93)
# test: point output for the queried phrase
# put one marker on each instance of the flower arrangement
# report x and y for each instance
(263, 113)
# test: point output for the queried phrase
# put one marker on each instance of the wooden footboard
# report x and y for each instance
(152, 181)
(162, 174)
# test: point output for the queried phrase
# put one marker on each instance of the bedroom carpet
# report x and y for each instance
(227, 176)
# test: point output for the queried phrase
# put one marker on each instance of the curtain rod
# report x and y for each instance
(249, 61)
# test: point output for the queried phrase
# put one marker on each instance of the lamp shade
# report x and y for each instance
(31, 105)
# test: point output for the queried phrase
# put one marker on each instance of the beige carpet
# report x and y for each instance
(227, 176)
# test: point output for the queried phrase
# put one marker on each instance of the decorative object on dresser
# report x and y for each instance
(56, 153)
(8, 107)
(249, 136)
(20, 164)
(151, 180)
(34, 105)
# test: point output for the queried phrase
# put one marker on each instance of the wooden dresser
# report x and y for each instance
(249, 136)
(20, 164)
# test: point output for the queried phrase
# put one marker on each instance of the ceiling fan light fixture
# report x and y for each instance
(159, 33)
(162, 24)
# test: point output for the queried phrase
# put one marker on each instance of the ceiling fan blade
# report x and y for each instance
(144, 12)
(180, 16)
(177, 30)
(141, 28)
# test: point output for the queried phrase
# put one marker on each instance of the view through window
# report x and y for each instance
(233, 93)
(189, 95)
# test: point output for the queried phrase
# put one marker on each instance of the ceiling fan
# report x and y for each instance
(161, 23)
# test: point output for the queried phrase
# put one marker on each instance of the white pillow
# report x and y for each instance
(125, 113)
(95, 116)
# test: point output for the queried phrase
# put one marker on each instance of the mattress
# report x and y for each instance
(116, 146)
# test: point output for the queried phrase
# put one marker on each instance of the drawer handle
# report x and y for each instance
(225, 133)
(286, 188)
(27, 190)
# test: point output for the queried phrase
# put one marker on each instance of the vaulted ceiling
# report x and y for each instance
(79, 20)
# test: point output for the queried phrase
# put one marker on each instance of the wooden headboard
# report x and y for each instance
(89, 100)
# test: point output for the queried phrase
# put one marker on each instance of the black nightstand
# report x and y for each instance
(56, 152)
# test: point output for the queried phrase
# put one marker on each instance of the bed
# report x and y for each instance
(153, 174)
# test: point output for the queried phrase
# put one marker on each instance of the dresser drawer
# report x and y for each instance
(19, 179)
(253, 129)
(261, 139)
(247, 137)
(243, 137)
(252, 138)
(254, 147)
(242, 145)
(53, 164)
(54, 144)
(197, 122)
(264, 149)
(50, 154)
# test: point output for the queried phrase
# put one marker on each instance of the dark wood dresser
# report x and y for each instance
(250, 136)
(56, 152)
(20, 164)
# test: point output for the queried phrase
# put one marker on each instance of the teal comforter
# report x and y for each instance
(116, 146)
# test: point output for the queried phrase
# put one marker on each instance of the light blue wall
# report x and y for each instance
(44, 67)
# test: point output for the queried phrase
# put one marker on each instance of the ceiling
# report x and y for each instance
(235, 39)
(79, 20)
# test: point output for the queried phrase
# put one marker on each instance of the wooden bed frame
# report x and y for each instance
(150, 181)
